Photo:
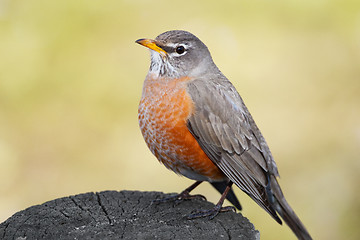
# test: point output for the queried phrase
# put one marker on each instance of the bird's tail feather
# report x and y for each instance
(287, 213)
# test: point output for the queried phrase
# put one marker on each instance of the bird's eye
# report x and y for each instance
(180, 49)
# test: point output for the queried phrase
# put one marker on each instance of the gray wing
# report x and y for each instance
(227, 133)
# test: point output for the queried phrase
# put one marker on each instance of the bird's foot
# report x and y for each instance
(211, 213)
(185, 195)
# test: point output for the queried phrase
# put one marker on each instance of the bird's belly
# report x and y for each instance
(162, 120)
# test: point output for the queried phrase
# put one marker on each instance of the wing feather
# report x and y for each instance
(225, 130)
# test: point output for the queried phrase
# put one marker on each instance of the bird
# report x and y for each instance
(196, 124)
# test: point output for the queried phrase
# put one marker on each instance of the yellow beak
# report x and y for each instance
(149, 43)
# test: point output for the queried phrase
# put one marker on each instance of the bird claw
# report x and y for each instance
(179, 198)
(190, 197)
(211, 213)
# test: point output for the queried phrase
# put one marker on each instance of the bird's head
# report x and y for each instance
(178, 54)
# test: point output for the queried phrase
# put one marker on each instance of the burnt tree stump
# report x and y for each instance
(123, 215)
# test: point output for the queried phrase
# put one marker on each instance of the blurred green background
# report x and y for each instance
(71, 78)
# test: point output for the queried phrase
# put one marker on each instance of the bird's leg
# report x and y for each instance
(216, 210)
(184, 195)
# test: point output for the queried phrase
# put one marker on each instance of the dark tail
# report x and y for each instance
(285, 211)
(220, 186)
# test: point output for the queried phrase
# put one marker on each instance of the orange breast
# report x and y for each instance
(164, 108)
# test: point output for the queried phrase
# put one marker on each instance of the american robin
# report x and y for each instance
(195, 123)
